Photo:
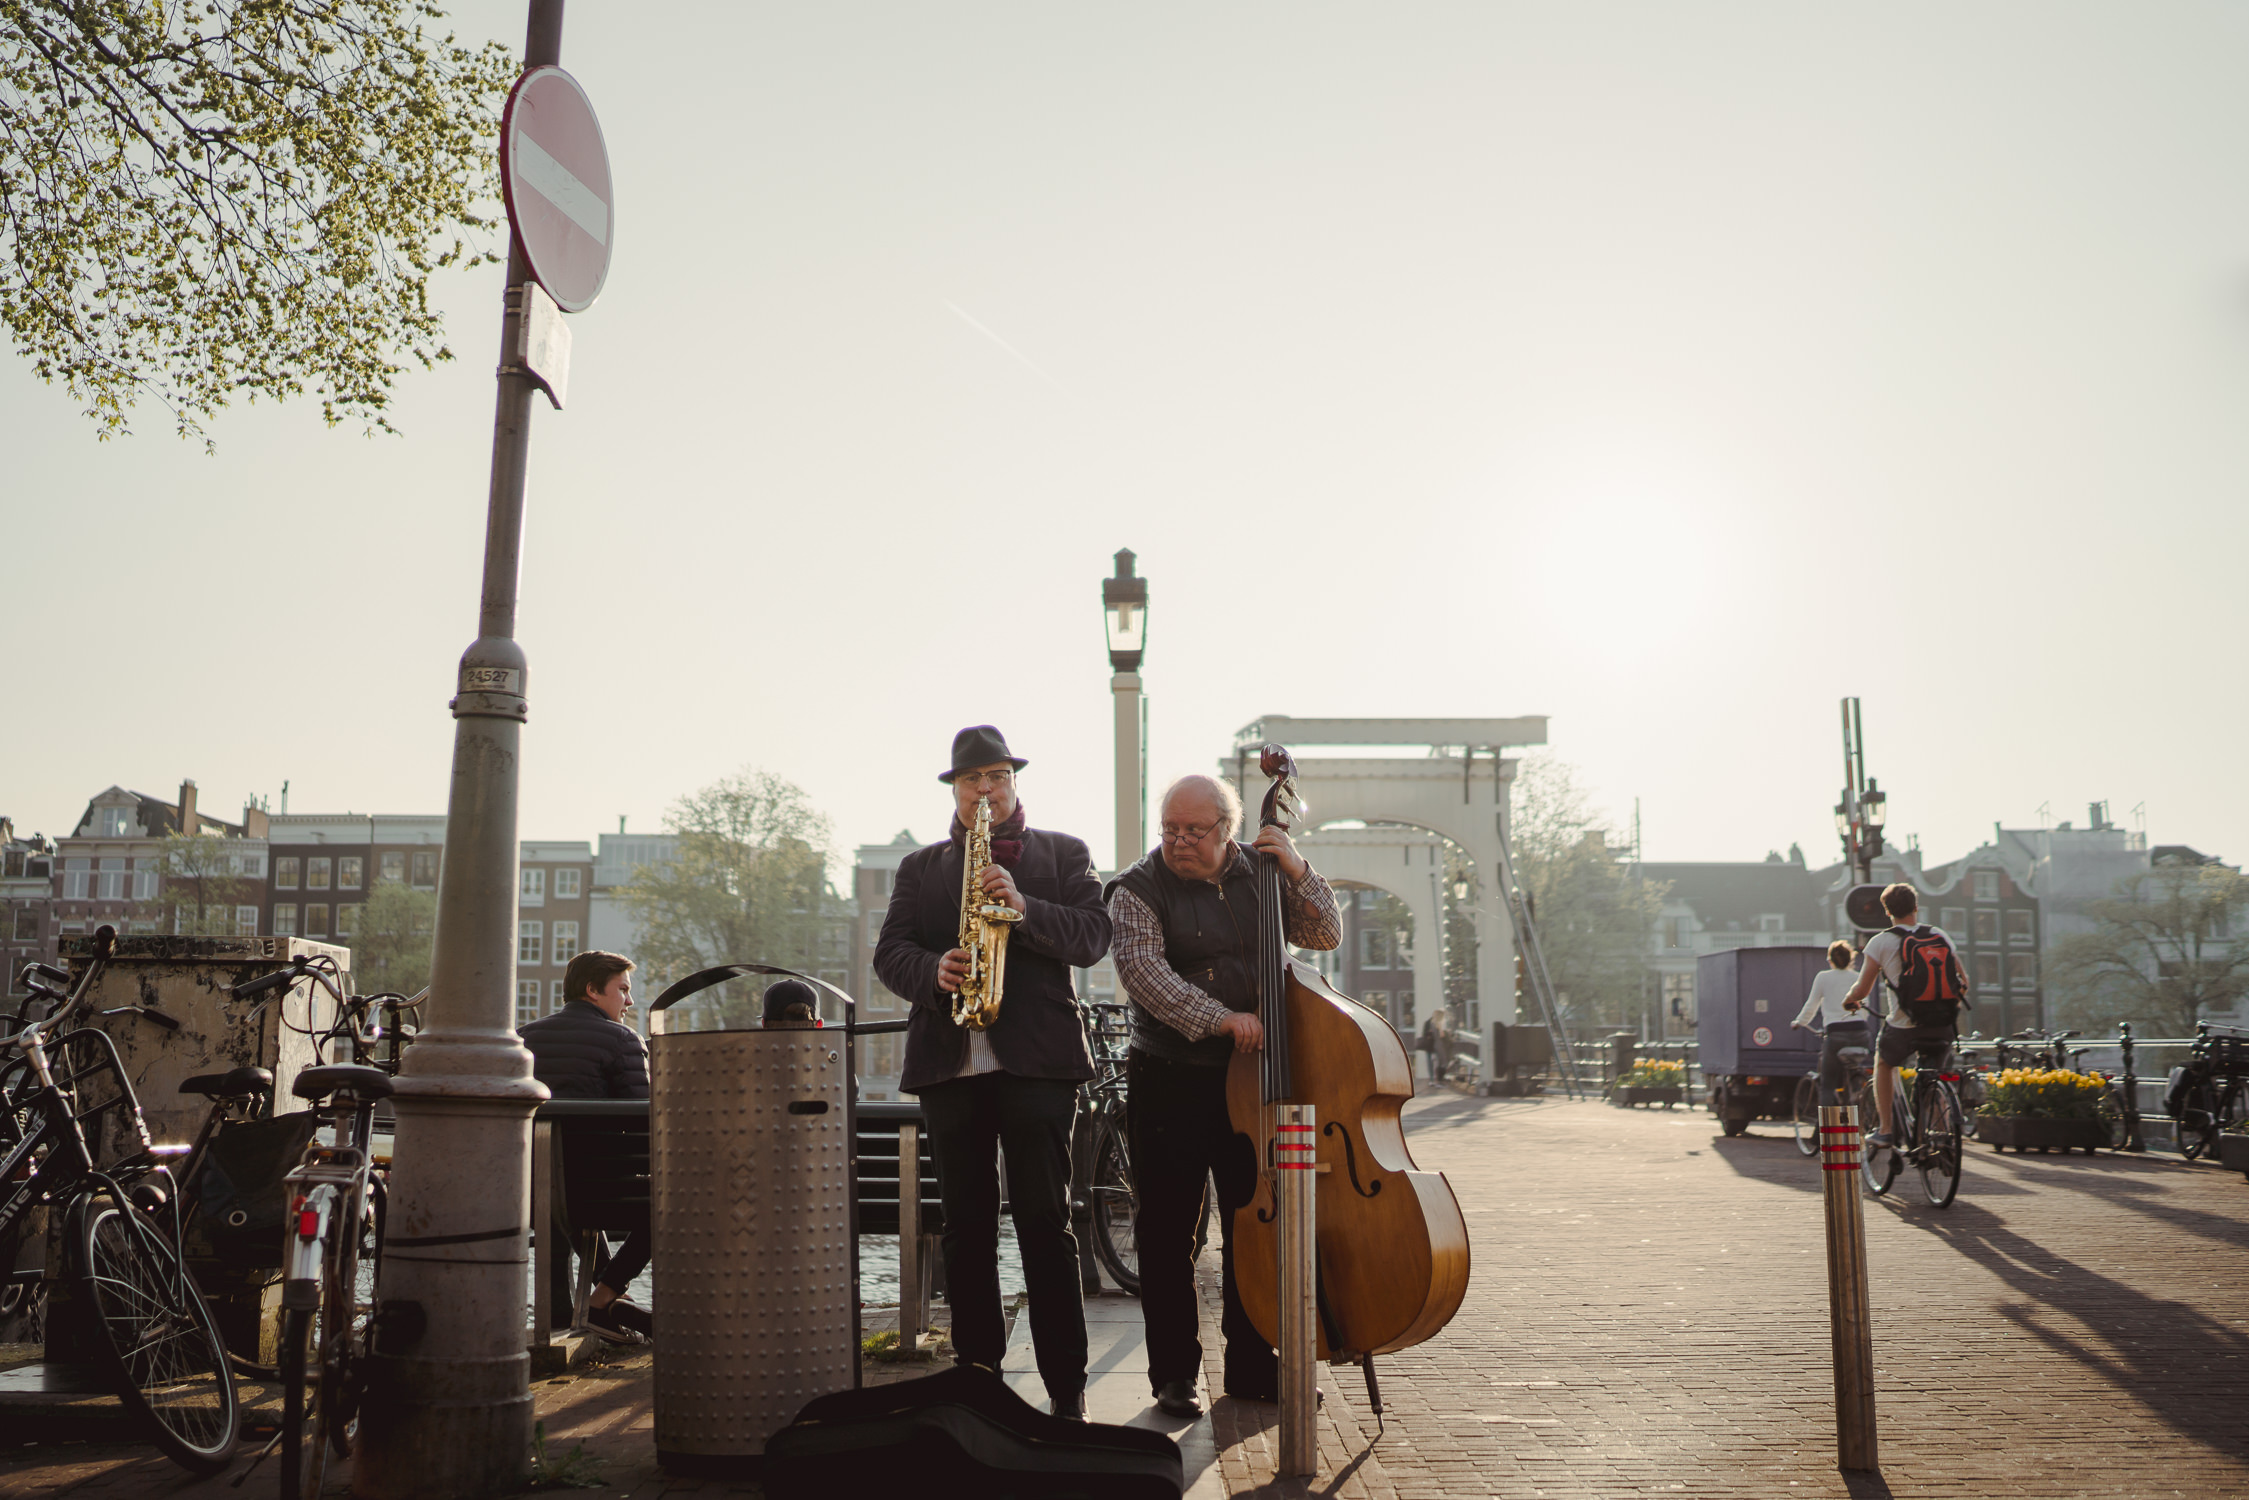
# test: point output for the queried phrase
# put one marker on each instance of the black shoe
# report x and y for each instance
(1178, 1398)
(622, 1322)
(1070, 1408)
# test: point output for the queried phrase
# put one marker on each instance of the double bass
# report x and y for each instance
(1391, 1245)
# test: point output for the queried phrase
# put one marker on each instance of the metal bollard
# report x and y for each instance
(2131, 1090)
(1850, 1326)
(912, 1314)
(1295, 1162)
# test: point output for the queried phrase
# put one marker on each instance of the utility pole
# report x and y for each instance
(448, 1408)
(1124, 605)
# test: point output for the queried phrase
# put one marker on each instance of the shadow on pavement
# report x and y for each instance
(2161, 1344)
(1865, 1486)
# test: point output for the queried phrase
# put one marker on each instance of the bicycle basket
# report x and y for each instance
(241, 1200)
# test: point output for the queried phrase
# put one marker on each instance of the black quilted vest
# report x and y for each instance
(1210, 940)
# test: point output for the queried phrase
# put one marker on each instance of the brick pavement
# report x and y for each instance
(1647, 1316)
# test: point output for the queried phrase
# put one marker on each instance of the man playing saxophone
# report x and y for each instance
(1012, 1081)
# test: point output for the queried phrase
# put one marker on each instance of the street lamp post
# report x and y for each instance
(1859, 817)
(1124, 604)
(448, 1405)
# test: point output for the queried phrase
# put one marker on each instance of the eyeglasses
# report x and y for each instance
(1173, 835)
(991, 779)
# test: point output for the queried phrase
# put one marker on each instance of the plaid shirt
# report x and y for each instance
(1309, 920)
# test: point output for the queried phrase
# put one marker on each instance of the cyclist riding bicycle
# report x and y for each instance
(1927, 990)
(1840, 1022)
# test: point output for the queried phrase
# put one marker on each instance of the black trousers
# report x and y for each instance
(1841, 1034)
(1175, 1117)
(971, 1120)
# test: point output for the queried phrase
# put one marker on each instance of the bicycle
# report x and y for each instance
(1102, 1158)
(1929, 1128)
(1804, 1116)
(146, 1322)
(336, 1202)
(2208, 1098)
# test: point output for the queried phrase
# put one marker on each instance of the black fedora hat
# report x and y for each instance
(979, 745)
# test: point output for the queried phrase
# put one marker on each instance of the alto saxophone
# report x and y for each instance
(984, 927)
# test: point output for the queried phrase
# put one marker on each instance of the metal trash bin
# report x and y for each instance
(756, 1255)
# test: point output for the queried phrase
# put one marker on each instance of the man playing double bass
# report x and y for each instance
(1014, 1084)
(1186, 924)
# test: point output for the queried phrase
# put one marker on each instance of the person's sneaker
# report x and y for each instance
(622, 1322)
(1880, 1140)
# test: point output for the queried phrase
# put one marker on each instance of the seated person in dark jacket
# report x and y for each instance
(586, 1051)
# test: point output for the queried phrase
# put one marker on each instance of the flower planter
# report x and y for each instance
(1631, 1094)
(2233, 1153)
(2025, 1133)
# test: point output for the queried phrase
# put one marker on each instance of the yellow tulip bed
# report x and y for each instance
(2044, 1094)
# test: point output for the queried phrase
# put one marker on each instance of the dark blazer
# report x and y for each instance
(1065, 926)
(579, 1053)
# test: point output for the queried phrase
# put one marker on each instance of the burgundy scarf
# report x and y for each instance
(1007, 837)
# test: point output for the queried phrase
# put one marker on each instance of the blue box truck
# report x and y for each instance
(1751, 1057)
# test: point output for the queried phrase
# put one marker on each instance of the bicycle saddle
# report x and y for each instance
(359, 1081)
(239, 1084)
(1850, 1054)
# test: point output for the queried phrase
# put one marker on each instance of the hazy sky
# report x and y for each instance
(1672, 370)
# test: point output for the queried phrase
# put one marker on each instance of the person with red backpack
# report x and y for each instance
(1928, 988)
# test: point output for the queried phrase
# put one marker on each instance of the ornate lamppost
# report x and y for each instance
(1124, 605)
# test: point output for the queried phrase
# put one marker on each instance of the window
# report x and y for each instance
(1366, 900)
(317, 873)
(1772, 922)
(350, 872)
(285, 873)
(144, 879)
(566, 885)
(27, 924)
(534, 887)
(347, 921)
(77, 879)
(1987, 885)
(1679, 996)
(316, 921)
(529, 939)
(874, 928)
(1987, 925)
(245, 921)
(526, 1001)
(2022, 971)
(2019, 922)
(391, 867)
(425, 867)
(1673, 933)
(113, 822)
(1954, 919)
(254, 866)
(1374, 948)
(111, 886)
(565, 942)
(285, 919)
(554, 994)
(1987, 971)
(1377, 1001)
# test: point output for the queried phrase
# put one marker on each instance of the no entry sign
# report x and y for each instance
(554, 171)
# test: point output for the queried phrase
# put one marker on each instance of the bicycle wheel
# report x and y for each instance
(1937, 1152)
(1114, 1208)
(2117, 1131)
(1878, 1167)
(350, 1305)
(2198, 1121)
(157, 1336)
(304, 1458)
(1807, 1115)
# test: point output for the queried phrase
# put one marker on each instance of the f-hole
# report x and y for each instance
(1351, 1161)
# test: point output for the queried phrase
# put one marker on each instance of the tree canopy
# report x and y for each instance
(2164, 950)
(1596, 918)
(239, 196)
(202, 882)
(396, 939)
(746, 882)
